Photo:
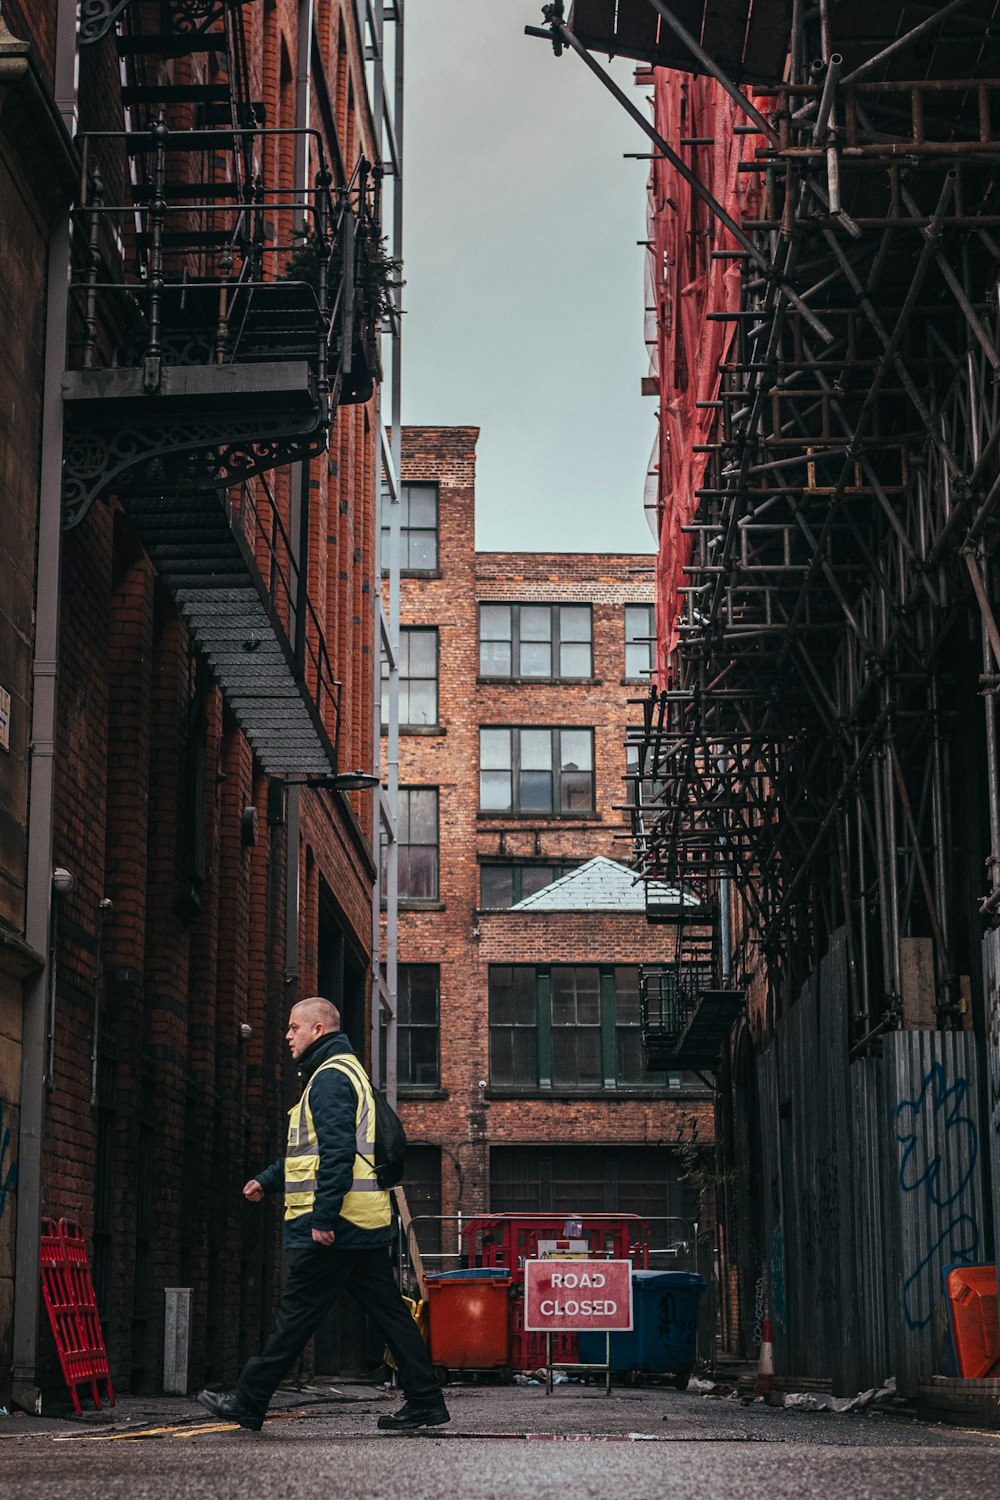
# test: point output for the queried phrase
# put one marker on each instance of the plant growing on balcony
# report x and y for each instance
(377, 273)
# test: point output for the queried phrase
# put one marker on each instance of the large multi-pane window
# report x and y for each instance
(417, 1018)
(536, 770)
(418, 678)
(506, 882)
(591, 1179)
(418, 521)
(640, 632)
(566, 1026)
(417, 832)
(535, 640)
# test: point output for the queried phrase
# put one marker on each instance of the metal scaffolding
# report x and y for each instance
(818, 737)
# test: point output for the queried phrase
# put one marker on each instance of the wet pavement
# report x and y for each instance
(503, 1443)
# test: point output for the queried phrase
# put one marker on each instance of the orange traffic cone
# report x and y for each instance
(765, 1364)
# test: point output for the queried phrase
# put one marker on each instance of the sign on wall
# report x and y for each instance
(577, 1296)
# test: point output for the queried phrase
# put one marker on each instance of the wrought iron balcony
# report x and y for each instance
(684, 1019)
(218, 321)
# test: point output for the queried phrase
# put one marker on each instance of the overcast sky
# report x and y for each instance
(523, 276)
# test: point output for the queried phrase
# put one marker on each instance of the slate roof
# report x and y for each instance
(599, 885)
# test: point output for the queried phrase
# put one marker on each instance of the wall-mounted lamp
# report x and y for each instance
(345, 781)
(64, 882)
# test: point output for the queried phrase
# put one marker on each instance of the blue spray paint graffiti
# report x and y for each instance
(938, 1178)
(8, 1181)
(778, 1275)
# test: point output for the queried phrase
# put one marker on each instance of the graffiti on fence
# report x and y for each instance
(8, 1169)
(778, 1275)
(939, 1147)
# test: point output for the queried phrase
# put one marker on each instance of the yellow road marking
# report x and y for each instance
(177, 1430)
(210, 1427)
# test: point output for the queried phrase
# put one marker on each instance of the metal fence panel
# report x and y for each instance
(991, 990)
(874, 1236)
(934, 1179)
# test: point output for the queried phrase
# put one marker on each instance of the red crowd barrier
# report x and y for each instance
(68, 1290)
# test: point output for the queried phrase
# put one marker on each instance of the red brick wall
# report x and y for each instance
(152, 992)
(462, 1119)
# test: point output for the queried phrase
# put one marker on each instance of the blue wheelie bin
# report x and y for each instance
(664, 1338)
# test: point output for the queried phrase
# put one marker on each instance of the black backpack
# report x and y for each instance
(389, 1161)
(390, 1143)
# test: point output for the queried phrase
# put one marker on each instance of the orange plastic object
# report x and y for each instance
(470, 1329)
(975, 1329)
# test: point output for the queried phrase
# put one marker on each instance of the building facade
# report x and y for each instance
(520, 1073)
(191, 243)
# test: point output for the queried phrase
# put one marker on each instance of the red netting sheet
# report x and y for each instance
(686, 348)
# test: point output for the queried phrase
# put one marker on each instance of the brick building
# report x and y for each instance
(200, 625)
(520, 932)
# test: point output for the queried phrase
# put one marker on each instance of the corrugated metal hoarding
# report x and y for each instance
(874, 1184)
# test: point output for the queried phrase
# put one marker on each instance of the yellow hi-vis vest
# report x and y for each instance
(365, 1204)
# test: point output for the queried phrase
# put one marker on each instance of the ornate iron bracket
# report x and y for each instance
(98, 17)
(178, 456)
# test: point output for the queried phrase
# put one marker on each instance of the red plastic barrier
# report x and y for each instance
(68, 1290)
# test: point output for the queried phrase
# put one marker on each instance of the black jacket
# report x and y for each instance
(333, 1100)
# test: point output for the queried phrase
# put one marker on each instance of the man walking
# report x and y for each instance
(337, 1229)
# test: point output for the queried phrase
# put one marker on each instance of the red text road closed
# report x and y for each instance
(577, 1295)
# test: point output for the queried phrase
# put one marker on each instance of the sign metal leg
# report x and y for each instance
(548, 1364)
(607, 1363)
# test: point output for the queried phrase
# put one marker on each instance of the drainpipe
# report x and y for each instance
(42, 752)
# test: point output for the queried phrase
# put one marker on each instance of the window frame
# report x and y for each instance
(408, 631)
(555, 641)
(406, 1029)
(611, 1028)
(645, 641)
(434, 899)
(517, 868)
(555, 771)
(406, 530)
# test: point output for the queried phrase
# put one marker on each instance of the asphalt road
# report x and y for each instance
(502, 1444)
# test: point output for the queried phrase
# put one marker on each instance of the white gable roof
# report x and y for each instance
(599, 885)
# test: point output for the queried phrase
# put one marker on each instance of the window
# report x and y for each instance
(418, 844)
(513, 1026)
(417, 1008)
(535, 640)
(566, 1026)
(418, 678)
(503, 885)
(640, 635)
(418, 522)
(536, 770)
(576, 1027)
(633, 1179)
(648, 791)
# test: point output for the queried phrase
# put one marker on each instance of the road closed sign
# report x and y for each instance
(577, 1295)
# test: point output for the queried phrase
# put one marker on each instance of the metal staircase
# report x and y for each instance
(220, 319)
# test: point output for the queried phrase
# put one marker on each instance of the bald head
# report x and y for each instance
(308, 1021)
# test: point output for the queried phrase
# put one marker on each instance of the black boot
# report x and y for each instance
(410, 1415)
(229, 1408)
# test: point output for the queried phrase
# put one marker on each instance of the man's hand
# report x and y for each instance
(252, 1191)
(323, 1236)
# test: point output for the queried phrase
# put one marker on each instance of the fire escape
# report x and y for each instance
(841, 543)
(219, 319)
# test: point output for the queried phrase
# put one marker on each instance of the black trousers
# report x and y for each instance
(318, 1275)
